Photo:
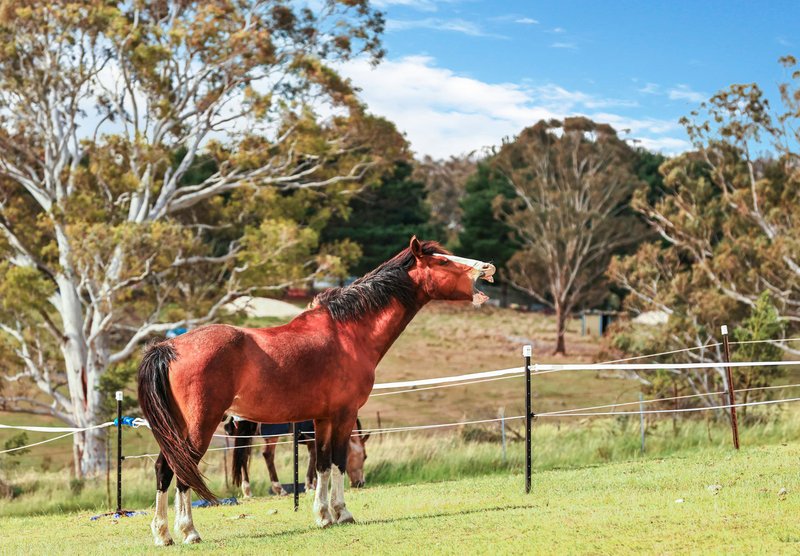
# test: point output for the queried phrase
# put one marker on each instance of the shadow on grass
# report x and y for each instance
(387, 521)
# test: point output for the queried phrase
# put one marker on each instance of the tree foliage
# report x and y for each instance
(728, 224)
(446, 185)
(728, 221)
(381, 219)
(572, 182)
(157, 160)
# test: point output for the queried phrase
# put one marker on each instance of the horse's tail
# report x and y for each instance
(242, 450)
(154, 394)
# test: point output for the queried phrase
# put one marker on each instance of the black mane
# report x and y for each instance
(375, 290)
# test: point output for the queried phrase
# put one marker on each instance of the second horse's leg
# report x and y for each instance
(311, 474)
(269, 457)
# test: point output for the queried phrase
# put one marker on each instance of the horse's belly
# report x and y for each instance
(279, 401)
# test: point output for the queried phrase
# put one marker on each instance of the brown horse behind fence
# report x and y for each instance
(245, 431)
(319, 366)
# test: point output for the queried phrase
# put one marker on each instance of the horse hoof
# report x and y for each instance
(324, 519)
(192, 538)
(345, 517)
(164, 542)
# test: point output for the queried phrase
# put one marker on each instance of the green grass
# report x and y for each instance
(418, 458)
(619, 508)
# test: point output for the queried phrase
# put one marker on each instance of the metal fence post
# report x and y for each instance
(503, 430)
(296, 441)
(526, 352)
(641, 419)
(118, 397)
(730, 387)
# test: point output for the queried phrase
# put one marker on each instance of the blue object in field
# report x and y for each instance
(176, 332)
(225, 502)
(125, 421)
(268, 429)
(115, 515)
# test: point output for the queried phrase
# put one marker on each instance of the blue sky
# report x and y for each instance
(462, 74)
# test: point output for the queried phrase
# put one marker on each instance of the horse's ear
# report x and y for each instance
(365, 438)
(416, 248)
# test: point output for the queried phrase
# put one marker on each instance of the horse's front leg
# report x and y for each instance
(341, 444)
(322, 513)
(269, 457)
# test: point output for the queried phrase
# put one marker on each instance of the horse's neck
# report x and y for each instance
(378, 331)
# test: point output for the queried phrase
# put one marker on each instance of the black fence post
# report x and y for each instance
(296, 433)
(118, 397)
(730, 388)
(526, 352)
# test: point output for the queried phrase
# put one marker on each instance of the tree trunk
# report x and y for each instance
(504, 294)
(84, 365)
(561, 329)
(89, 453)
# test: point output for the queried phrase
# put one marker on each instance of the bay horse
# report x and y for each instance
(243, 431)
(320, 366)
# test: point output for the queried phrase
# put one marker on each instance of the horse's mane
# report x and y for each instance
(376, 289)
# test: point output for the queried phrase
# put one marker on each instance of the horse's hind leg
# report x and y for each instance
(341, 443)
(159, 525)
(199, 439)
(269, 457)
(184, 525)
(323, 449)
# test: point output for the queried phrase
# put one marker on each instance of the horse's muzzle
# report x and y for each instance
(487, 272)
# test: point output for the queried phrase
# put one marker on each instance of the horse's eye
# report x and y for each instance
(444, 262)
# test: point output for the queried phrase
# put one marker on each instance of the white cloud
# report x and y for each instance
(558, 30)
(566, 45)
(666, 145)
(650, 89)
(421, 5)
(684, 92)
(437, 24)
(443, 113)
(526, 21)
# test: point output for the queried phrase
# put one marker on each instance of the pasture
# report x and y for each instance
(619, 508)
(453, 488)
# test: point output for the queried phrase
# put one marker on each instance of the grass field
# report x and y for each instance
(443, 492)
(654, 506)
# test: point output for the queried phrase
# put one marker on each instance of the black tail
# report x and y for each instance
(242, 451)
(154, 395)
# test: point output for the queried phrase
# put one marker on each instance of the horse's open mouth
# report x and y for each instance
(478, 297)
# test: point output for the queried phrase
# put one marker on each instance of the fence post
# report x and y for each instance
(118, 397)
(526, 352)
(296, 440)
(729, 386)
(641, 419)
(503, 430)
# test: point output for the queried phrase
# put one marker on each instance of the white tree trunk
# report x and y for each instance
(84, 366)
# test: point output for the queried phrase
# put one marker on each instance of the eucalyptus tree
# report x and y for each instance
(728, 223)
(572, 183)
(146, 152)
